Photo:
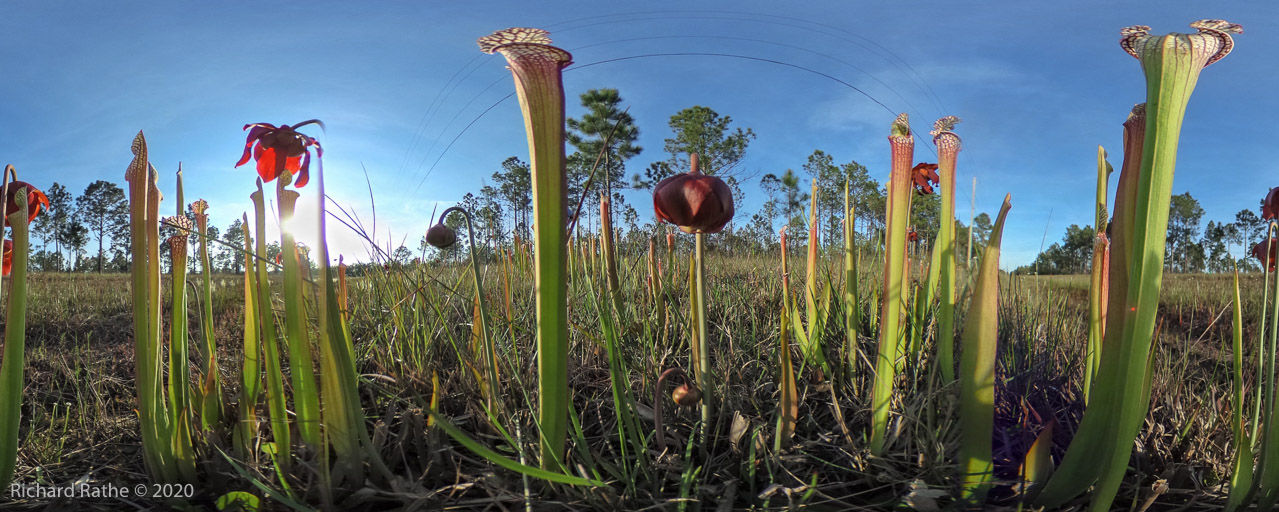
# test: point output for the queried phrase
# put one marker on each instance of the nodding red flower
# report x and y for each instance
(912, 235)
(1259, 252)
(280, 148)
(8, 257)
(1270, 207)
(925, 177)
(35, 199)
(695, 202)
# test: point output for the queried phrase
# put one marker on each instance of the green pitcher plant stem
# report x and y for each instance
(341, 412)
(306, 398)
(852, 311)
(276, 403)
(536, 67)
(893, 307)
(1241, 477)
(211, 387)
(179, 388)
(1101, 448)
(1264, 392)
(948, 147)
(1098, 284)
(11, 366)
(1266, 477)
(977, 373)
(144, 222)
(251, 373)
(788, 405)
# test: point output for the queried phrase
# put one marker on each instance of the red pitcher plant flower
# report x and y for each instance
(35, 200)
(1270, 206)
(281, 148)
(925, 178)
(8, 257)
(695, 202)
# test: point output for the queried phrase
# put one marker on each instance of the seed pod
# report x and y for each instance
(441, 236)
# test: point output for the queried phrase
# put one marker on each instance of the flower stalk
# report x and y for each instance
(486, 336)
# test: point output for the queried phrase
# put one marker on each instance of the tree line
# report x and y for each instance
(1189, 248)
(90, 233)
(502, 207)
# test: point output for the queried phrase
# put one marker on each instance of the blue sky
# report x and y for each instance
(1038, 85)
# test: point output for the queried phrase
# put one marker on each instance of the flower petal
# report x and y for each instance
(269, 162)
(256, 133)
(303, 176)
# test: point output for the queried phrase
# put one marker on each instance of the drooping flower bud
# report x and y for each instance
(686, 395)
(695, 202)
(441, 236)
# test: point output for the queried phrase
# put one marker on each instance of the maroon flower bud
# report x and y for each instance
(441, 236)
(695, 202)
(1259, 252)
(686, 395)
(1270, 207)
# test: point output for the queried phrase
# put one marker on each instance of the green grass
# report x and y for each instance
(411, 322)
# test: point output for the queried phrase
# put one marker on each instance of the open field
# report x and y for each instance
(79, 420)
